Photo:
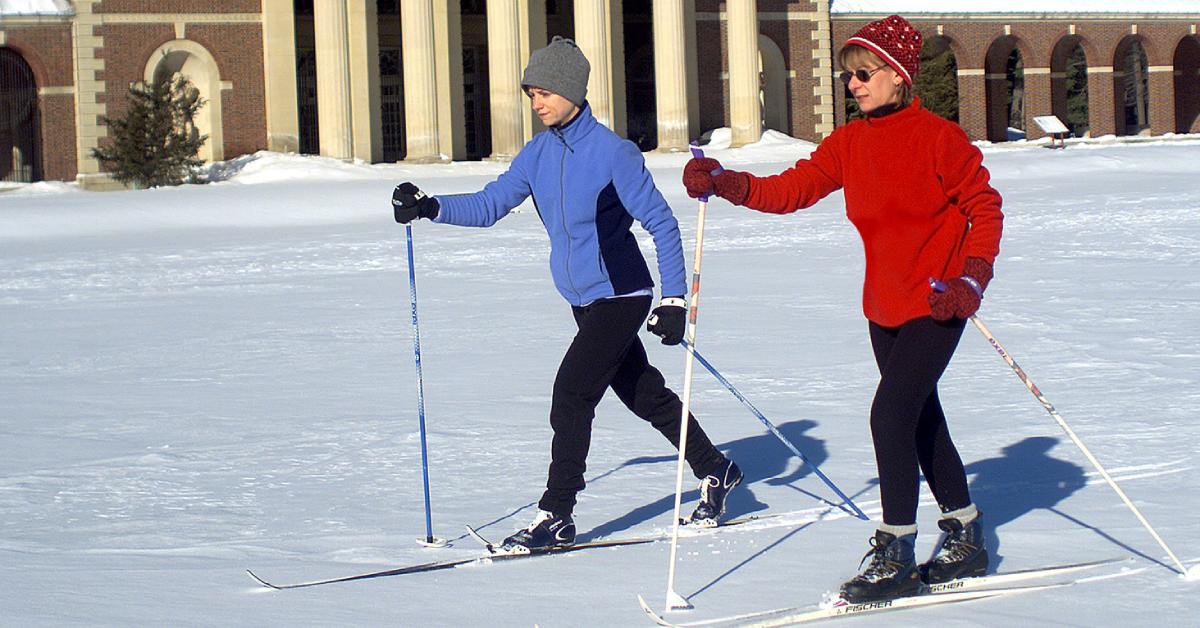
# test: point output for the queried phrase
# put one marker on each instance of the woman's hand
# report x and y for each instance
(704, 177)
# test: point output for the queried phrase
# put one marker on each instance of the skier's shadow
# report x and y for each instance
(762, 458)
(1024, 479)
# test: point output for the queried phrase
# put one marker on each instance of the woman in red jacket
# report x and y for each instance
(919, 196)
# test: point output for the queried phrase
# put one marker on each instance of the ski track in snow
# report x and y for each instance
(205, 379)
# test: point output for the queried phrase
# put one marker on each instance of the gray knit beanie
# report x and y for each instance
(560, 68)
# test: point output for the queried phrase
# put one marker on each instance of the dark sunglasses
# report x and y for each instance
(862, 74)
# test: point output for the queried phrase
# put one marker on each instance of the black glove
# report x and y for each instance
(668, 320)
(410, 203)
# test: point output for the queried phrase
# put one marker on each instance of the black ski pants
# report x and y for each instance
(607, 353)
(908, 426)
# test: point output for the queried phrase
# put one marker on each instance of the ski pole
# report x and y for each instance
(430, 540)
(1037, 393)
(787, 443)
(676, 601)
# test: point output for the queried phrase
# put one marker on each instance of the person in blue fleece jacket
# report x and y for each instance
(588, 186)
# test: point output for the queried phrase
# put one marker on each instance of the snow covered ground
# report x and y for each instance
(200, 380)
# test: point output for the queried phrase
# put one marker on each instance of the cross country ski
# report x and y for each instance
(958, 590)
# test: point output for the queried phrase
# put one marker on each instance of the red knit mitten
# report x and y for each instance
(706, 177)
(963, 295)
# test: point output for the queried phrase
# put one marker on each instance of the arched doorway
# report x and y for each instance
(20, 151)
(773, 75)
(1187, 85)
(937, 82)
(1131, 88)
(1005, 76)
(193, 61)
(1069, 85)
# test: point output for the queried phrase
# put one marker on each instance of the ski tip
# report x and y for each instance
(261, 581)
(473, 533)
(658, 619)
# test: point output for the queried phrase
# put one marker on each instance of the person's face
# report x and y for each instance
(551, 108)
(881, 87)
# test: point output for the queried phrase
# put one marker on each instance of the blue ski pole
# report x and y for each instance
(429, 540)
(787, 443)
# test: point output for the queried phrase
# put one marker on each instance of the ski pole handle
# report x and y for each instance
(938, 286)
(699, 154)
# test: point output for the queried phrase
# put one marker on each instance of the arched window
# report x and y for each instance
(1005, 86)
(1131, 88)
(773, 82)
(1187, 85)
(193, 61)
(20, 154)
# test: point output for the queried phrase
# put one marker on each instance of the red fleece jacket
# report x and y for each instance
(916, 190)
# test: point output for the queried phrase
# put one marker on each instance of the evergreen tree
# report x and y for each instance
(1137, 89)
(937, 82)
(156, 142)
(1016, 91)
(1077, 92)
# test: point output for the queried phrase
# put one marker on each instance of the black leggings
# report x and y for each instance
(907, 423)
(607, 352)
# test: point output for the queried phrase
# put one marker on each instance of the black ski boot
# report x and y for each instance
(714, 489)
(891, 574)
(547, 531)
(961, 553)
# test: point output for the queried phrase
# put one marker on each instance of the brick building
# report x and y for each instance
(426, 80)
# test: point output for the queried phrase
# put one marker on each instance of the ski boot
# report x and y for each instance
(961, 553)
(547, 532)
(714, 489)
(892, 572)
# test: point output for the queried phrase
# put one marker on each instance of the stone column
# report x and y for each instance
(87, 47)
(279, 74)
(1101, 107)
(533, 36)
(1162, 99)
(504, 70)
(420, 81)
(367, 119)
(596, 22)
(995, 85)
(335, 116)
(1037, 100)
(452, 126)
(972, 94)
(670, 74)
(827, 89)
(745, 110)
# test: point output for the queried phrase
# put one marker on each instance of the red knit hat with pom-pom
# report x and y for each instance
(895, 41)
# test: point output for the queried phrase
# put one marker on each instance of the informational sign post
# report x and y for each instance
(1052, 126)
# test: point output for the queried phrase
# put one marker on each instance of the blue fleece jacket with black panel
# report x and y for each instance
(588, 186)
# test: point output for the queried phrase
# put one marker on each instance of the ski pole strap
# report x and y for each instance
(699, 154)
(974, 283)
(940, 286)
